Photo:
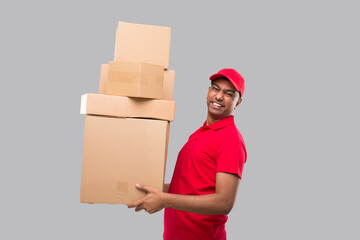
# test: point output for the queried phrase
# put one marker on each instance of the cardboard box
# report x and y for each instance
(103, 78)
(117, 106)
(119, 153)
(135, 79)
(142, 43)
(168, 83)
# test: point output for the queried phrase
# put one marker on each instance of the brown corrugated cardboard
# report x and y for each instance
(103, 78)
(117, 106)
(119, 153)
(143, 43)
(168, 85)
(135, 79)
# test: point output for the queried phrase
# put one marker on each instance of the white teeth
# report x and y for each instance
(216, 104)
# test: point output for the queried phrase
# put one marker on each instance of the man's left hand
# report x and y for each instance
(152, 203)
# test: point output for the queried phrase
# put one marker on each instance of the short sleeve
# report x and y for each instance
(231, 155)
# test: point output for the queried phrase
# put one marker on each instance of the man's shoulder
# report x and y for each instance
(230, 133)
(230, 129)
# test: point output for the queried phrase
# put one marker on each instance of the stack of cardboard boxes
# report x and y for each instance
(127, 124)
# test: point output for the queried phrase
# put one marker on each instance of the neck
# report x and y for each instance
(210, 119)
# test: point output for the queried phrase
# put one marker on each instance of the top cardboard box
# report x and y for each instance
(142, 43)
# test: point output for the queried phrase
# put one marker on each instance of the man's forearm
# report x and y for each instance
(220, 202)
(202, 204)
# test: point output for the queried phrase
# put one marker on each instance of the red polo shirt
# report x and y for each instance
(218, 147)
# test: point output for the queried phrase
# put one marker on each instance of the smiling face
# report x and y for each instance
(222, 99)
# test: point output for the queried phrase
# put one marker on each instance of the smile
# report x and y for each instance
(217, 105)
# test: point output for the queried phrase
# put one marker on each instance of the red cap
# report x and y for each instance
(233, 76)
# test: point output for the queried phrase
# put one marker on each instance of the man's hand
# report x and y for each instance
(152, 203)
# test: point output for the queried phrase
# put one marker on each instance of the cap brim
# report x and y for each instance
(219, 75)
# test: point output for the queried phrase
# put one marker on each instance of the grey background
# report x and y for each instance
(299, 115)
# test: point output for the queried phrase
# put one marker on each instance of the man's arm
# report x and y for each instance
(220, 202)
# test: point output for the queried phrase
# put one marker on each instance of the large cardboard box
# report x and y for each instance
(168, 83)
(142, 43)
(135, 79)
(119, 153)
(117, 106)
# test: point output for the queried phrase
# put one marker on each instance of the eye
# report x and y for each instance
(215, 88)
(229, 94)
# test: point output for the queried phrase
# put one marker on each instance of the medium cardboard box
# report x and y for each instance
(168, 83)
(135, 79)
(119, 153)
(142, 43)
(117, 106)
(104, 70)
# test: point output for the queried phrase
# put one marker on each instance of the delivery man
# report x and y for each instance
(208, 169)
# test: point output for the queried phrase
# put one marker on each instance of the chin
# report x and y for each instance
(216, 115)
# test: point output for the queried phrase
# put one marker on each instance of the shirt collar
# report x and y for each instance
(221, 123)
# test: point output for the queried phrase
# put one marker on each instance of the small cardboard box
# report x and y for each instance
(168, 83)
(117, 106)
(119, 153)
(135, 79)
(142, 43)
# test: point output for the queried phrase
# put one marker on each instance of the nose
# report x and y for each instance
(219, 96)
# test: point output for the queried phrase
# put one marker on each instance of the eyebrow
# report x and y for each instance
(226, 90)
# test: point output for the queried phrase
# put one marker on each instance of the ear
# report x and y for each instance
(238, 102)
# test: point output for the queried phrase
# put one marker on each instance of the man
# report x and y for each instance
(208, 169)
